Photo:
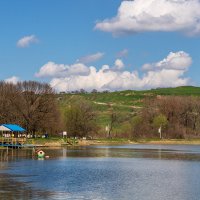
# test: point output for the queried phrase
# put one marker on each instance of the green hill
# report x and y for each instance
(124, 103)
(128, 98)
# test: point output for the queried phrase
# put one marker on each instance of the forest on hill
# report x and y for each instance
(124, 113)
(162, 112)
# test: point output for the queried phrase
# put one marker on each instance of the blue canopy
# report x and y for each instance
(14, 127)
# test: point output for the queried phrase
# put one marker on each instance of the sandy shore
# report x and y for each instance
(156, 142)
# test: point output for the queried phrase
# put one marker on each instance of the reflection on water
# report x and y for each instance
(10, 186)
(103, 172)
(130, 151)
(12, 189)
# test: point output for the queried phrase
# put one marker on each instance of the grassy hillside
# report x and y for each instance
(182, 91)
(125, 100)
(124, 103)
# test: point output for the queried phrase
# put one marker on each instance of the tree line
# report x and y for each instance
(35, 107)
(31, 105)
(175, 116)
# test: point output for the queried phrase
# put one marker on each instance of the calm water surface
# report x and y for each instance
(138, 172)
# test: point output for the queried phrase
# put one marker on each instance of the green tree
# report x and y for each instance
(112, 123)
(136, 123)
(160, 122)
(80, 119)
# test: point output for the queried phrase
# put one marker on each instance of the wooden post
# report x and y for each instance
(33, 151)
(7, 151)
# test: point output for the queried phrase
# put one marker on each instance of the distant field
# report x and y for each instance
(124, 103)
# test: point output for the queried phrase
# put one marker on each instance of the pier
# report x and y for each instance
(12, 136)
(12, 142)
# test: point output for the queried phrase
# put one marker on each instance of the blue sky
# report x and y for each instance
(121, 36)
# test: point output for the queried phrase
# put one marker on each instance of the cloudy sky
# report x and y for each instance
(101, 44)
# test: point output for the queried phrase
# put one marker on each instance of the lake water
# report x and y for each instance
(129, 172)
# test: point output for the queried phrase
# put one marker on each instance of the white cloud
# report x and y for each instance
(154, 15)
(91, 58)
(119, 65)
(52, 69)
(122, 53)
(13, 79)
(131, 80)
(26, 41)
(95, 80)
(177, 61)
(168, 72)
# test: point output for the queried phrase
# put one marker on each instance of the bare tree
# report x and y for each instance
(182, 115)
(30, 104)
(80, 118)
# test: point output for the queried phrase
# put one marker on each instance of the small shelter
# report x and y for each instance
(12, 134)
(13, 128)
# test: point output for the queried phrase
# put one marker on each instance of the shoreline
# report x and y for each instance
(154, 142)
(124, 142)
(57, 142)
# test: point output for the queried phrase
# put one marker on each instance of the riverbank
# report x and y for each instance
(141, 141)
(58, 142)
(174, 141)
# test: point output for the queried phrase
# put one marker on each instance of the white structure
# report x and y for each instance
(64, 134)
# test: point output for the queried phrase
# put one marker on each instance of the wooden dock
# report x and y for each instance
(12, 142)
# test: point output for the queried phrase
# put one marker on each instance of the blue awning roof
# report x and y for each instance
(14, 127)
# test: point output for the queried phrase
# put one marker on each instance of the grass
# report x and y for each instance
(108, 141)
(128, 97)
(124, 103)
(57, 141)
